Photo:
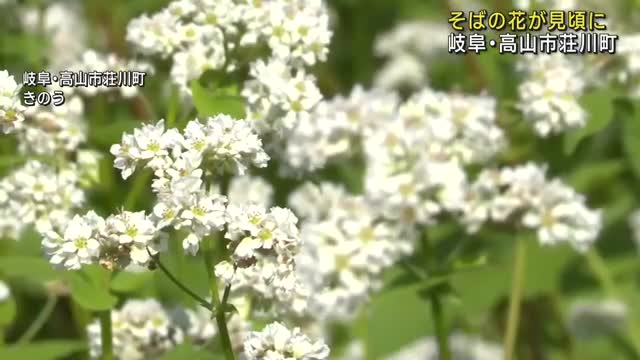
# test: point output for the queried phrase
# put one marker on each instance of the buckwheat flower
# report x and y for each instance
(589, 319)
(156, 34)
(205, 214)
(149, 145)
(65, 28)
(276, 342)
(410, 47)
(629, 51)
(251, 228)
(78, 245)
(142, 329)
(5, 291)
(344, 251)
(54, 129)
(233, 144)
(11, 110)
(278, 96)
(37, 194)
(250, 189)
(563, 216)
(549, 95)
(634, 223)
(128, 238)
(462, 347)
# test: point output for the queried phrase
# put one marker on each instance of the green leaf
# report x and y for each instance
(109, 134)
(42, 350)
(127, 281)
(599, 106)
(631, 140)
(221, 101)
(595, 174)
(7, 312)
(30, 268)
(89, 287)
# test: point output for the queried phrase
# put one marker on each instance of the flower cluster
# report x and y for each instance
(63, 25)
(11, 110)
(629, 51)
(415, 162)
(116, 242)
(142, 329)
(264, 245)
(345, 247)
(335, 128)
(549, 96)
(53, 129)
(5, 291)
(462, 347)
(227, 143)
(588, 318)
(38, 194)
(556, 211)
(229, 35)
(409, 47)
(276, 342)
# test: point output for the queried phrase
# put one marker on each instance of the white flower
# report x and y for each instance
(5, 291)
(462, 347)
(588, 319)
(11, 110)
(79, 245)
(150, 145)
(549, 95)
(276, 342)
(250, 189)
(142, 329)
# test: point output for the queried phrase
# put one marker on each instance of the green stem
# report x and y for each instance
(442, 333)
(444, 352)
(39, 321)
(513, 319)
(600, 270)
(106, 334)
(219, 308)
(178, 283)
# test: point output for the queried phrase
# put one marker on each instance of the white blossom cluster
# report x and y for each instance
(415, 162)
(277, 342)
(524, 194)
(11, 109)
(463, 347)
(120, 240)
(38, 194)
(145, 329)
(589, 318)
(345, 246)
(247, 189)
(549, 95)
(409, 46)
(277, 39)
(335, 128)
(53, 129)
(64, 26)
(227, 143)
(91, 60)
(142, 329)
(264, 245)
(5, 291)
(179, 161)
(629, 51)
